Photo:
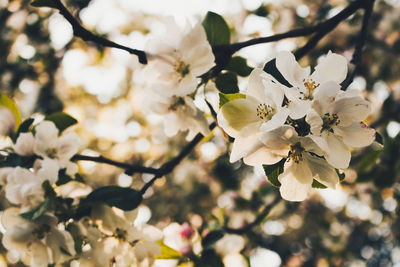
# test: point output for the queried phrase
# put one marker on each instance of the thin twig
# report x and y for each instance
(80, 31)
(325, 26)
(171, 164)
(357, 55)
(328, 27)
(129, 168)
(260, 217)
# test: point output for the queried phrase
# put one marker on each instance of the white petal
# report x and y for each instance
(337, 154)
(39, 255)
(315, 122)
(277, 120)
(237, 114)
(274, 93)
(298, 108)
(242, 146)
(295, 181)
(324, 97)
(280, 138)
(263, 155)
(353, 109)
(332, 67)
(322, 171)
(356, 135)
(48, 170)
(45, 136)
(290, 69)
(24, 145)
(256, 87)
(68, 146)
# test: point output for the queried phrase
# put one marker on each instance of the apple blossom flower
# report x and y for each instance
(178, 59)
(24, 144)
(336, 123)
(24, 187)
(180, 237)
(36, 243)
(303, 164)
(179, 114)
(331, 68)
(246, 118)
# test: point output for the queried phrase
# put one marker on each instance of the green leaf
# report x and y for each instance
(239, 66)
(209, 258)
(225, 98)
(227, 83)
(217, 29)
(368, 160)
(43, 3)
(61, 120)
(211, 238)
(34, 214)
(168, 252)
(316, 184)
(121, 197)
(270, 67)
(273, 171)
(9, 104)
(378, 138)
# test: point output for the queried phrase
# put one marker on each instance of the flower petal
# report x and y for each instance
(332, 67)
(324, 96)
(337, 154)
(280, 138)
(356, 135)
(295, 181)
(277, 120)
(322, 171)
(315, 122)
(237, 114)
(298, 108)
(290, 69)
(352, 109)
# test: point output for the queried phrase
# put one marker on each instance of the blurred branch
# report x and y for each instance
(357, 55)
(260, 217)
(129, 168)
(171, 164)
(84, 34)
(323, 27)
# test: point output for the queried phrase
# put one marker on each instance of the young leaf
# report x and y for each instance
(225, 98)
(227, 83)
(168, 253)
(43, 3)
(34, 214)
(211, 238)
(273, 171)
(270, 67)
(121, 197)
(239, 66)
(316, 184)
(217, 29)
(9, 104)
(61, 120)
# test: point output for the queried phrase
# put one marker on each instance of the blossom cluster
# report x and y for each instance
(305, 119)
(37, 227)
(172, 76)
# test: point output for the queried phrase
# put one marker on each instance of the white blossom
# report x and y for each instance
(25, 144)
(303, 163)
(179, 58)
(331, 68)
(246, 118)
(336, 123)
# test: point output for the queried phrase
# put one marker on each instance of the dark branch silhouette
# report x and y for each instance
(84, 34)
(260, 217)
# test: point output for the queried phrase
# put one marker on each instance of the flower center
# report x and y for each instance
(120, 234)
(265, 112)
(179, 101)
(182, 68)
(328, 120)
(295, 152)
(310, 85)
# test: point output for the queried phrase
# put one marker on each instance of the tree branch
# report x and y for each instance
(357, 55)
(84, 34)
(325, 26)
(129, 168)
(260, 217)
(171, 164)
